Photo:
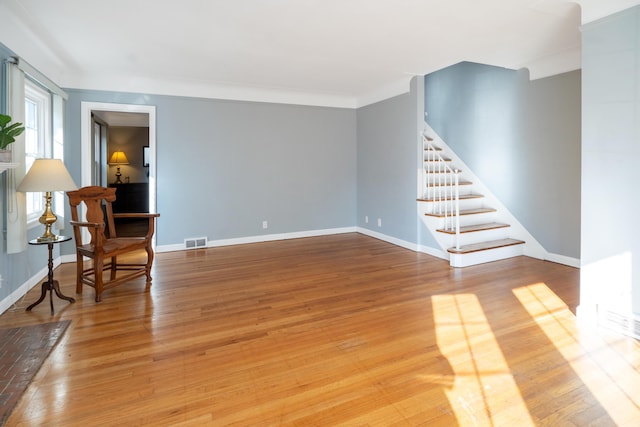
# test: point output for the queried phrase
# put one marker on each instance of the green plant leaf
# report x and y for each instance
(8, 132)
(14, 130)
(4, 119)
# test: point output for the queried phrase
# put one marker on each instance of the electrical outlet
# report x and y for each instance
(379, 222)
(265, 224)
(0, 280)
(366, 219)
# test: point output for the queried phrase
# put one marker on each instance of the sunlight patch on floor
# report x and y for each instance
(483, 386)
(593, 360)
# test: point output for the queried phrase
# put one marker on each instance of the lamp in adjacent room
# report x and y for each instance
(118, 158)
(47, 175)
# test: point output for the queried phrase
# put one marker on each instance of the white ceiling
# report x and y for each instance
(320, 52)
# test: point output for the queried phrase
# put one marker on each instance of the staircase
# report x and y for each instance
(466, 225)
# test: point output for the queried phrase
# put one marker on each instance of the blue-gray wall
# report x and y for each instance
(610, 162)
(521, 138)
(223, 167)
(387, 175)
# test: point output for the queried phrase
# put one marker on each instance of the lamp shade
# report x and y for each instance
(118, 158)
(47, 175)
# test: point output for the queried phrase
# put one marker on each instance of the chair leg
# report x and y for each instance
(98, 264)
(114, 264)
(150, 256)
(79, 273)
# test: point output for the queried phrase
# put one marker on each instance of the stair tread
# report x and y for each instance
(464, 212)
(447, 184)
(448, 198)
(444, 171)
(476, 227)
(432, 148)
(483, 246)
(444, 159)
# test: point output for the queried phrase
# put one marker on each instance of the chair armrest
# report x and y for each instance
(96, 233)
(87, 224)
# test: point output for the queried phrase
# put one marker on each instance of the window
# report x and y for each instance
(38, 141)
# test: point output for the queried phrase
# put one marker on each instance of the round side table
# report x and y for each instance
(50, 285)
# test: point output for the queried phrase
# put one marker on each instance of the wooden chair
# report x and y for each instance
(105, 246)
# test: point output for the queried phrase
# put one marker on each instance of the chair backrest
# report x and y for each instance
(98, 203)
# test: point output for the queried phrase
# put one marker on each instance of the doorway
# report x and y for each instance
(95, 169)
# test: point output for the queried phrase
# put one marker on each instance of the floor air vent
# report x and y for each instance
(194, 243)
(627, 324)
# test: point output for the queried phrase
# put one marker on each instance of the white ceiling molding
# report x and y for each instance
(147, 85)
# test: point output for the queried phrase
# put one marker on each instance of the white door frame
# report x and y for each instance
(86, 161)
(85, 149)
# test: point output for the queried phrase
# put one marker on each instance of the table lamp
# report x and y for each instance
(47, 175)
(118, 158)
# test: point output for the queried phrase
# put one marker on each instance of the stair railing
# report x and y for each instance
(442, 188)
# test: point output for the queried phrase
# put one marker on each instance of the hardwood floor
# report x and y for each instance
(333, 330)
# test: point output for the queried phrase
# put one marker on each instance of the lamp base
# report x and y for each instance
(48, 218)
(118, 175)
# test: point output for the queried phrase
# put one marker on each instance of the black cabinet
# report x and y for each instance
(131, 197)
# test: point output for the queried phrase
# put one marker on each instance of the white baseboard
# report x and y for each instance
(302, 234)
(298, 235)
(434, 252)
(564, 260)
(260, 239)
(388, 239)
(560, 259)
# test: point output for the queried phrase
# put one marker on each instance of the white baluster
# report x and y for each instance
(457, 203)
